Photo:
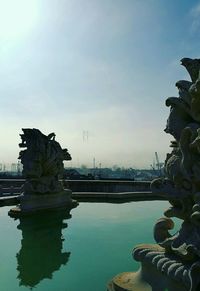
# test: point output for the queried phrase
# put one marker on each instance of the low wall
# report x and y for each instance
(86, 190)
(108, 186)
(15, 186)
(10, 187)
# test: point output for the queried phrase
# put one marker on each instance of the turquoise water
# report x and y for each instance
(81, 253)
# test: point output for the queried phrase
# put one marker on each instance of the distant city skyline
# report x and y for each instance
(95, 72)
(17, 166)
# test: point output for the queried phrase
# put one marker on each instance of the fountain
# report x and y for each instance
(173, 263)
(43, 168)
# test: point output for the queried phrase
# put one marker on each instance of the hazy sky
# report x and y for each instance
(101, 66)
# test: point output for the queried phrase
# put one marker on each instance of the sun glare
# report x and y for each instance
(17, 17)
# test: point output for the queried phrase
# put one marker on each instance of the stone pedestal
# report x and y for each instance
(159, 272)
(31, 203)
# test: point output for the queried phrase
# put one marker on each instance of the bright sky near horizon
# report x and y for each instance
(95, 72)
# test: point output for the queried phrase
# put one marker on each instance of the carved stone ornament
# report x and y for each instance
(174, 263)
(43, 167)
(42, 161)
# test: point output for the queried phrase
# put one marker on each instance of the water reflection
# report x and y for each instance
(41, 247)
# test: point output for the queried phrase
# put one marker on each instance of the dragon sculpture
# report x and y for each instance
(42, 162)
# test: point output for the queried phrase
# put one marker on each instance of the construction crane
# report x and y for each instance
(158, 163)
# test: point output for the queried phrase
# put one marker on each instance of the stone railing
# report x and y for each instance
(9, 187)
(86, 191)
(107, 186)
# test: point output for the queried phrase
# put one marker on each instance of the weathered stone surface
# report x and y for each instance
(34, 203)
(43, 168)
(42, 162)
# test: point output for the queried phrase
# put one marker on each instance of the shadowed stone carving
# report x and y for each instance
(174, 263)
(42, 161)
(43, 167)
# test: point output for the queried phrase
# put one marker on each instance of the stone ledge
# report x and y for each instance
(31, 203)
(96, 197)
(159, 271)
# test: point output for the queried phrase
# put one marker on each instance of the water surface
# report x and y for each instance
(81, 253)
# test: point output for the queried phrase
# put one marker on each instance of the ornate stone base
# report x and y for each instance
(159, 272)
(31, 203)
